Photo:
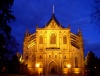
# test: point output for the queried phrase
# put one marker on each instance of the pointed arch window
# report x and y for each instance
(53, 39)
(64, 39)
(65, 57)
(76, 62)
(40, 57)
(41, 39)
(26, 57)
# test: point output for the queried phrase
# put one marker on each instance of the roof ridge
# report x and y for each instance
(53, 18)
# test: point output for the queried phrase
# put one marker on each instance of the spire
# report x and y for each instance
(53, 8)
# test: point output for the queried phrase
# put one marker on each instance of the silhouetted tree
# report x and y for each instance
(14, 65)
(91, 64)
(7, 42)
(95, 16)
(97, 67)
(6, 17)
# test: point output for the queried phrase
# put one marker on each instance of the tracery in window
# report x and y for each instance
(49, 56)
(41, 39)
(64, 39)
(53, 39)
(65, 57)
(65, 65)
(41, 65)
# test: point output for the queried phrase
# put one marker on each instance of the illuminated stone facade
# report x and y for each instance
(54, 47)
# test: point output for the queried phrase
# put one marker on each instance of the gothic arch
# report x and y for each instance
(52, 67)
(52, 32)
(52, 61)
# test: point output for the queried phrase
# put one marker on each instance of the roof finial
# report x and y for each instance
(53, 8)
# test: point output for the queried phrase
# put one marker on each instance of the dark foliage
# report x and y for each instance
(15, 65)
(6, 17)
(95, 16)
(92, 64)
(8, 43)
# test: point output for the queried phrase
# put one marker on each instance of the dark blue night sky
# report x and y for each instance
(77, 13)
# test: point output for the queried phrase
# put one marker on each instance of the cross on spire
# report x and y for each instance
(53, 8)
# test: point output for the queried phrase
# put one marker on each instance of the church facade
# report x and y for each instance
(54, 49)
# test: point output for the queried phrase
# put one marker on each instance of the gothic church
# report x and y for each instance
(55, 49)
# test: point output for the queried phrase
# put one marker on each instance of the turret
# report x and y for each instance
(80, 39)
(79, 33)
(69, 26)
(26, 39)
(27, 33)
(37, 26)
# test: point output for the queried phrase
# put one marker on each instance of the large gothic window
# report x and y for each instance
(65, 57)
(40, 57)
(53, 39)
(65, 65)
(64, 39)
(76, 62)
(41, 39)
(41, 65)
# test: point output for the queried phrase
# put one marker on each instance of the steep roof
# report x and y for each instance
(53, 18)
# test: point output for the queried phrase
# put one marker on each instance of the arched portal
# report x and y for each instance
(53, 67)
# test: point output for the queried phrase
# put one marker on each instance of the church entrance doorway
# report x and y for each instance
(52, 68)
